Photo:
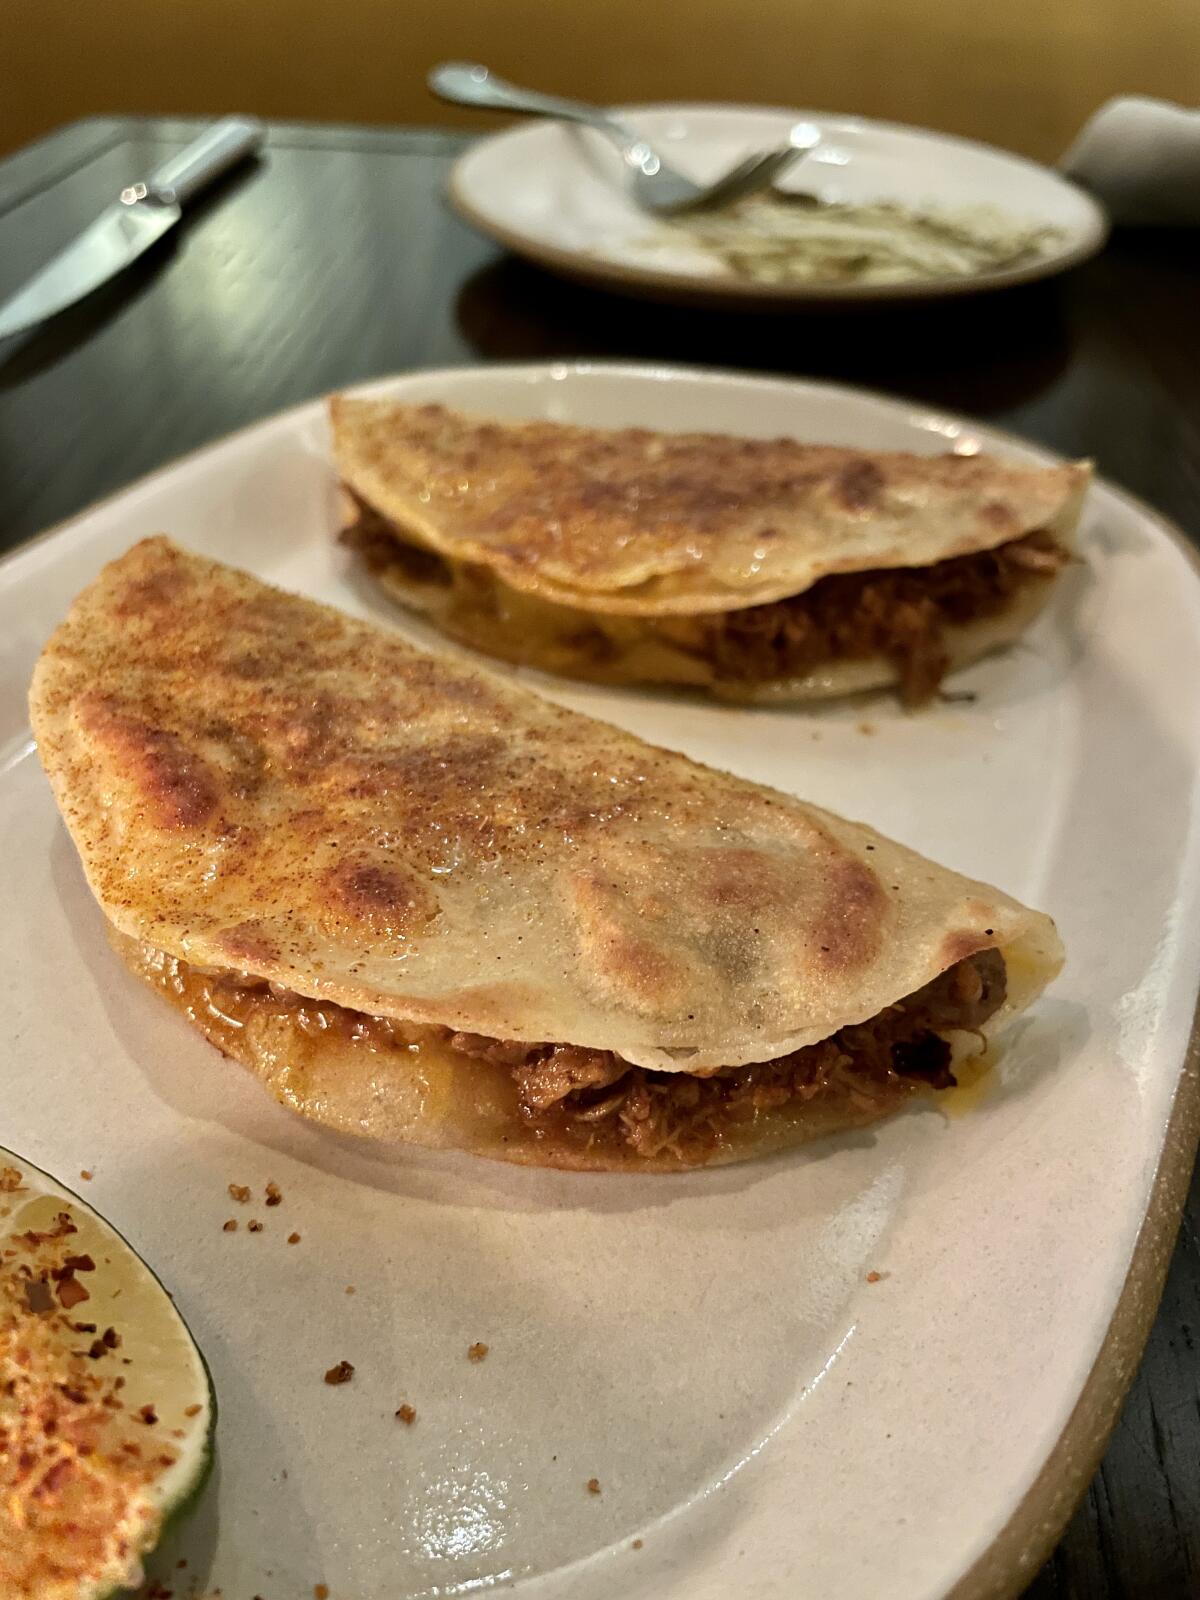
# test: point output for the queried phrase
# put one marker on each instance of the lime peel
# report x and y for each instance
(106, 1406)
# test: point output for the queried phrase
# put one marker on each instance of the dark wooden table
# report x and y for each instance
(336, 259)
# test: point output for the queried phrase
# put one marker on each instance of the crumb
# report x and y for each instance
(38, 1297)
(320, 1591)
(193, 1411)
(274, 1196)
(10, 1180)
(874, 1277)
(342, 1373)
(230, 1226)
(239, 1192)
(407, 1415)
(593, 1486)
(637, 1544)
(86, 1175)
(181, 1563)
(477, 1352)
(350, 1289)
(293, 1238)
(254, 1226)
(866, 727)
(71, 1293)
(148, 1415)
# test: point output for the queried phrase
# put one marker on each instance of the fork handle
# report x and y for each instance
(466, 83)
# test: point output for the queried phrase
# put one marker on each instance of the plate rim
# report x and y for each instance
(581, 267)
(1034, 1526)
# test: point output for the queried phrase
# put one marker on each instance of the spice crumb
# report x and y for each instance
(874, 1277)
(593, 1486)
(254, 1226)
(293, 1238)
(274, 1195)
(342, 1373)
(239, 1192)
(637, 1544)
(85, 1175)
(148, 1415)
(230, 1226)
(407, 1415)
(477, 1352)
(193, 1411)
(866, 727)
(350, 1289)
(321, 1591)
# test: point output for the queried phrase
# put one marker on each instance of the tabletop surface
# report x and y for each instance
(335, 259)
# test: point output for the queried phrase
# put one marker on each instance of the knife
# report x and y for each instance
(142, 214)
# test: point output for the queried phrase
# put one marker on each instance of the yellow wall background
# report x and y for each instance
(1021, 73)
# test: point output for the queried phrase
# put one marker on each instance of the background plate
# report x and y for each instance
(554, 193)
(761, 1417)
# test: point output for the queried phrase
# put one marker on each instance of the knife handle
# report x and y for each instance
(216, 150)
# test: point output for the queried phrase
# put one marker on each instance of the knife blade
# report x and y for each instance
(138, 218)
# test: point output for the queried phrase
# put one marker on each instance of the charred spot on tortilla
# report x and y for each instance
(755, 569)
(451, 913)
(173, 783)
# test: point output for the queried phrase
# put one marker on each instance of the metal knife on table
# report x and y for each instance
(136, 220)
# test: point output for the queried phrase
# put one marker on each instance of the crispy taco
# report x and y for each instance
(759, 570)
(423, 904)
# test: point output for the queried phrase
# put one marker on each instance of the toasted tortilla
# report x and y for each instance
(637, 523)
(587, 552)
(260, 783)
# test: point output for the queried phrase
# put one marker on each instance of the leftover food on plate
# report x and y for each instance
(757, 569)
(422, 903)
(792, 238)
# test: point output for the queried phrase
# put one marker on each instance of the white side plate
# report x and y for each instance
(765, 1420)
(555, 194)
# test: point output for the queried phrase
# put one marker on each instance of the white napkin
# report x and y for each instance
(1141, 158)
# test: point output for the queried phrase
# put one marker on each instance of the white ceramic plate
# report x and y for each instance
(765, 1420)
(556, 194)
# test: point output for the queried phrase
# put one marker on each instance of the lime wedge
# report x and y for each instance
(106, 1408)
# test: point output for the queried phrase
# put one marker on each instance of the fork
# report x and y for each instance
(655, 186)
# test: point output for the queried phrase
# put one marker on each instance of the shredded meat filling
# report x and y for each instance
(900, 613)
(568, 1089)
(579, 1095)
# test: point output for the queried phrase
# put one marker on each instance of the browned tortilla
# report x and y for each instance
(627, 556)
(259, 784)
